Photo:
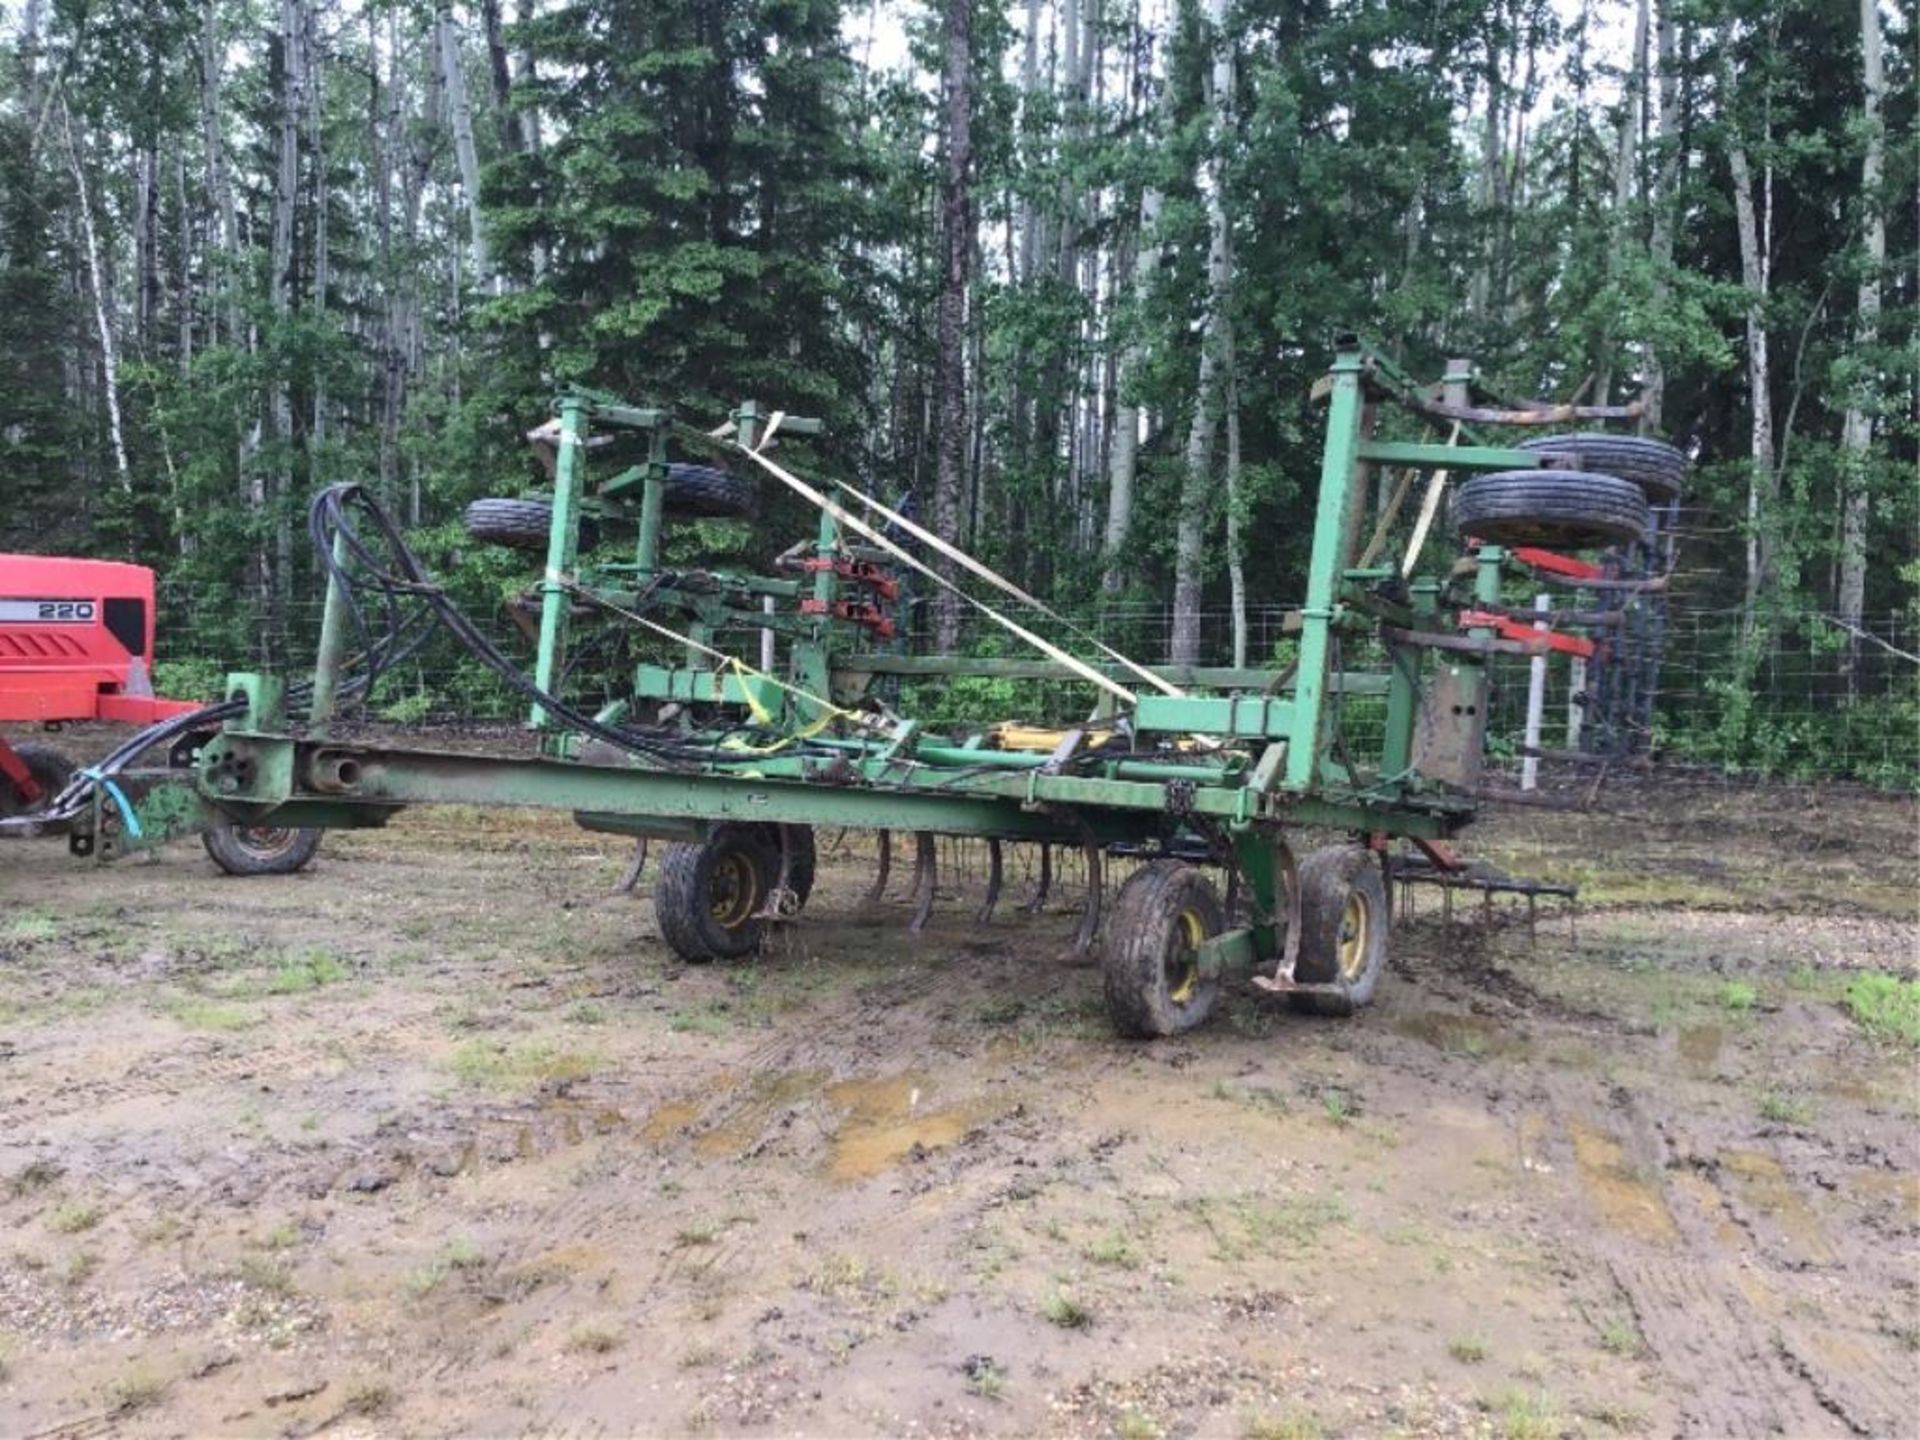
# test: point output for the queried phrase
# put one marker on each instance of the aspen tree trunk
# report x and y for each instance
(103, 320)
(382, 119)
(1856, 430)
(272, 578)
(219, 188)
(957, 247)
(322, 257)
(500, 80)
(460, 115)
(524, 76)
(1216, 341)
(1624, 155)
(1660, 243)
(1755, 268)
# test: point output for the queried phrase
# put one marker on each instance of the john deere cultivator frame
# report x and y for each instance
(1196, 769)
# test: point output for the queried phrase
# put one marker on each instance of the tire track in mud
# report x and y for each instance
(1719, 1285)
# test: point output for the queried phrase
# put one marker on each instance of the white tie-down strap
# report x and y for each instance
(860, 527)
(986, 573)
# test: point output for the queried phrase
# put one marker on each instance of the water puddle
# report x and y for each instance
(888, 1120)
(1460, 1033)
(1626, 1201)
(766, 1095)
(1764, 1185)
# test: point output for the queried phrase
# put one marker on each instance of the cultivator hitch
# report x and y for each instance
(758, 714)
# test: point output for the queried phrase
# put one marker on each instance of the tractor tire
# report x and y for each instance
(521, 524)
(1655, 466)
(1561, 509)
(51, 769)
(1344, 923)
(260, 849)
(804, 862)
(709, 894)
(700, 492)
(1149, 959)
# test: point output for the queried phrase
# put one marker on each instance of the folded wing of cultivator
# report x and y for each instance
(767, 711)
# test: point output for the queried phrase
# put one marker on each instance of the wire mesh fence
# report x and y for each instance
(1799, 697)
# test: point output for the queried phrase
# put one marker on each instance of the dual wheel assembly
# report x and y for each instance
(714, 899)
(1151, 963)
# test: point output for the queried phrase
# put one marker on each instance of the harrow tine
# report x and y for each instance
(926, 879)
(881, 867)
(1090, 917)
(985, 917)
(1044, 883)
(635, 868)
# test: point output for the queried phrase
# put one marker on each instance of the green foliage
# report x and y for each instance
(1886, 1007)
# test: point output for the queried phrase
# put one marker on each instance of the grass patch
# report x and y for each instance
(1245, 1225)
(1779, 1108)
(1467, 1349)
(593, 1340)
(1063, 1310)
(697, 1022)
(1621, 1337)
(1739, 997)
(207, 1015)
(1116, 1250)
(309, 970)
(984, 1378)
(79, 1269)
(74, 1217)
(136, 1391)
(1525, 1415)
(489, 1063)
(1886, 1007)
(586, 1012)
(1290, 1425)
(270, 1276)
(701, 1232)
(1339, 1107)
(1137, 1425)
(32, 928)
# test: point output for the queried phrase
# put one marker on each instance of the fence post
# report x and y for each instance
(1536, 703)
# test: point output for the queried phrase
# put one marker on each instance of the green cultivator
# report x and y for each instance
(1206, 775)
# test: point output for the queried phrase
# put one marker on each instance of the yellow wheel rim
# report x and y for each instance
(1183, 956)
(1356, 920)
(734, 891)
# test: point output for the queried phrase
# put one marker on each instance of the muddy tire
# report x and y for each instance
(1655, 466)
(260, 849)
(803, 864)
(521, 524)
(1344, 919)
(704, 493)
(1565, 509)
(709, 894)
(50, 767)
(1150, 958)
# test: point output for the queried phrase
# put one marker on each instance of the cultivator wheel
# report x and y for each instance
(260, 849)
(1151, 958)
(50, 769)
(1344, 919)
(1655, 466)
(711, 895)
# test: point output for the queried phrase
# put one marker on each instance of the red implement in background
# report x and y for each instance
(76, 641)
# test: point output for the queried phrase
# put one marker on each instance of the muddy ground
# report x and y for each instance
(437, 1138)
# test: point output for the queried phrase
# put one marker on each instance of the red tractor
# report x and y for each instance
(76, 643)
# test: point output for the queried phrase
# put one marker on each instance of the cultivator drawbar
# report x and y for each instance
(1194, 782)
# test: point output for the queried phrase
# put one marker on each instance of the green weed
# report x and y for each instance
(1777, 1108)
(1739, 997)
(490, 1063)
(1294, 1424)
(309, 970)
(1063, 1310)
(593, 1340)
(1114, 1249)
(73, 1217)
(1468, 1349)
(206, 1015)
(1621, 1337)
(1886, 1007)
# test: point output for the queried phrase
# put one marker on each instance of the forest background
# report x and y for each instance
(1060, 273)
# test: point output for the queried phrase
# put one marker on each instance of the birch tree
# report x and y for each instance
(1856, 429)
(956, 232)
